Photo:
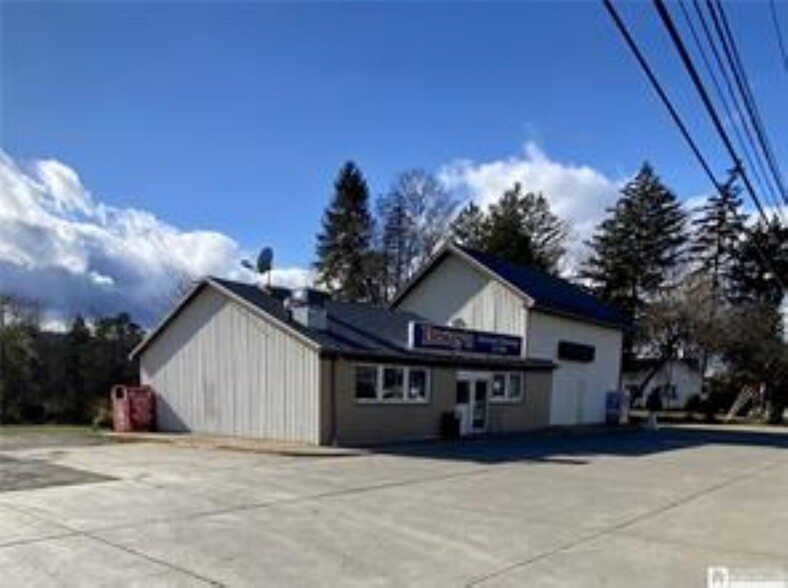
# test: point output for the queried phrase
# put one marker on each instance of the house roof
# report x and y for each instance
(354, 329)
(541, 291)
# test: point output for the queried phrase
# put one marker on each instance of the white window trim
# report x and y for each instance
(405, 378)
(507, 398)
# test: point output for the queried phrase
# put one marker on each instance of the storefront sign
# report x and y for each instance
(576, 352)
(439, 338)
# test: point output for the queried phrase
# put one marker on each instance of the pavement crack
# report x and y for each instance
(630, 522)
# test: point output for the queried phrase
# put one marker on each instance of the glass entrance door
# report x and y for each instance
(479, 406)
(473, 391)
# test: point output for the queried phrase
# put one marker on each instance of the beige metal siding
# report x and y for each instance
(456, 290)
(380, 422)
(579, 389)
(532, 412)
(218, 368)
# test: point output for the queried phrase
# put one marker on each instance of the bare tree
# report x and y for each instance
(415, 218)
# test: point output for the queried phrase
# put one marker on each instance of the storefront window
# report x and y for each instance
(417, 384)
(507, 386)
(499, 387)
(515, 391)
(366, 382)
(396, 384)
(393, 383)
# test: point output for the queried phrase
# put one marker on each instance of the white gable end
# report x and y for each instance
(455, 291)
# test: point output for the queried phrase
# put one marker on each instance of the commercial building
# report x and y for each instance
(237, 359)
(558, 321)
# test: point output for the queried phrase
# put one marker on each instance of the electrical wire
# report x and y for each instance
(758, 171)
(778, 32)
(734, 97)
(720, 21)
(698, 83)
(657, 87)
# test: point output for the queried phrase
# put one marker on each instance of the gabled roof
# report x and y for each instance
(540, 290)
(354, 329)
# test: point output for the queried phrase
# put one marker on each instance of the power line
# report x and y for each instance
(758, 171)
(740, 75)
(778, 32)
(735, 99)
(657, 87)
(690, 67)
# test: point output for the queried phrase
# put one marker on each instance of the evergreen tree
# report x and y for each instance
(547, 231)
(759, 268)
(638, 248)
(717, 229)
(470, 226)
(506, 236)
(344, 246)
(522, 229)
(78, 369)
(18, 358)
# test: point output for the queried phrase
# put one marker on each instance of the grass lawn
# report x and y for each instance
(47, 429)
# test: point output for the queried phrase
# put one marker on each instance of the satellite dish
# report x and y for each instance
(265, 259)
(263, 265)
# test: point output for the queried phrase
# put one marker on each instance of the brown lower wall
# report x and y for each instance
(358, 423)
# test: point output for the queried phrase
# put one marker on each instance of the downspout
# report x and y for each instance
(333, 396)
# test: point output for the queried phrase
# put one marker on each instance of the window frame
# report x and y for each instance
(507, 397)
(405, 399)
(355, 382)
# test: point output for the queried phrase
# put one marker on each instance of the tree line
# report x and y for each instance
(48, 376)
(367, 251)
(705, 284)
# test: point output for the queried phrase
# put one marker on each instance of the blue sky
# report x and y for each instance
(234, 117)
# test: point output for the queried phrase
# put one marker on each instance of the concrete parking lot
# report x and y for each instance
(628, 509)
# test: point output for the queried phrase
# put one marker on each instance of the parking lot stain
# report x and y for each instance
(27, 474)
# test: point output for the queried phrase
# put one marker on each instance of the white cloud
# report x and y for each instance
(72, 253)
(578, 194)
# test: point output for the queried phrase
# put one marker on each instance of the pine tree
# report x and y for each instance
(522, 229)
(718, 227)
(759, 268)
(506, 236)
(344, 245)
(547, 231)
(638, 248)
(469, 227)
(77, 370)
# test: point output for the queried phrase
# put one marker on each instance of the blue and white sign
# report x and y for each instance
(438, 338)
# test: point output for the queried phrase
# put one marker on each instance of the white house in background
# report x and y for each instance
(558, 321)
(677, 380)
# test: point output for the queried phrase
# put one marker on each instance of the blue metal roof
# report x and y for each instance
(549, 293)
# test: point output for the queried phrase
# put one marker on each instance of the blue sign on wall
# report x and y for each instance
(439, 338)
